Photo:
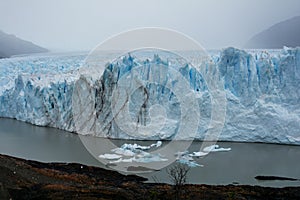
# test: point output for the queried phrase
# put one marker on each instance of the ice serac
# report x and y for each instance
(93, 100)
(262, 96)
(38, 89)
(263, 99)
(48, 105)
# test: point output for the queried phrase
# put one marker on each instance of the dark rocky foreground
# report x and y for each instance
(23, 179)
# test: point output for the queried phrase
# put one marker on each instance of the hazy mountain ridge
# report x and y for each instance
(12, 45)
(285, 33)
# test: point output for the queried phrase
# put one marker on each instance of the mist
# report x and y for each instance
(81, 25)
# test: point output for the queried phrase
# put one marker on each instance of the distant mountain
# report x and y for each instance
(285, 33)
(11, 45)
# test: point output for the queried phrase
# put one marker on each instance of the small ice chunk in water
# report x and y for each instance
(181, 153)
(124, 152)
(136, 146)
(158, 144)
(198, 154)
(184, 157)
(125, 160)
(110, 156)
(190, 163)
(135, 152)
(187, 160)
(150, 158)
(215, 148)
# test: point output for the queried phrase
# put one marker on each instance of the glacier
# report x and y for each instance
(263, 99)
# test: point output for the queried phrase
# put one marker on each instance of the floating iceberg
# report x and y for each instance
(134, 153)
(136, 146)
(124, 152)
(185, 157)
(122, 160)
(198, 154)
(215, 148)
(189, 163)
(151, 158)
(110, 156)
(181, 153)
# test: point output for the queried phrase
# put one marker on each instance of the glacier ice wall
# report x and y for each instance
(92, 100)
(263, 99)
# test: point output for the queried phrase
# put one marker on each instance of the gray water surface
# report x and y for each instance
(240, 165)
(43, 144)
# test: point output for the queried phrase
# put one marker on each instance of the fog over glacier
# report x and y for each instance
(81, 25)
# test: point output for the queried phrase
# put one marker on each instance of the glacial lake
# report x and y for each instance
(238, 166)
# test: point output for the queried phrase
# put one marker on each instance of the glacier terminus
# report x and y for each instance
(262, 94)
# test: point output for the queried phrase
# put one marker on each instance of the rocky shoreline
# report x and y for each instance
(25, 179)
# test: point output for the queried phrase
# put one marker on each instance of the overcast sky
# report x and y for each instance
(82, 24)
